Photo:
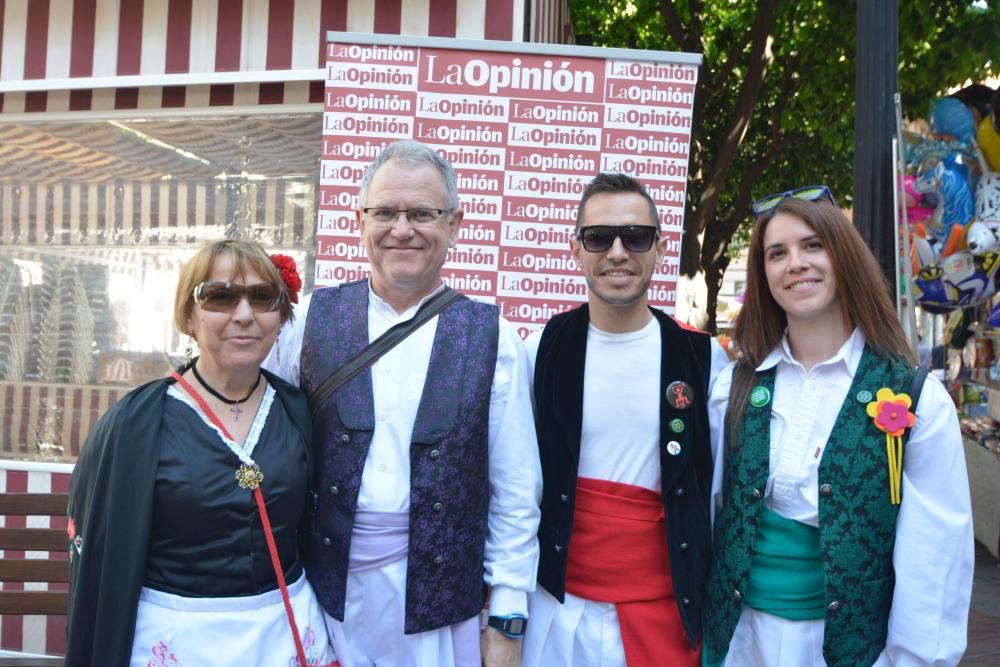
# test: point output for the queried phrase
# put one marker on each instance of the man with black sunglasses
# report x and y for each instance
(620, 393)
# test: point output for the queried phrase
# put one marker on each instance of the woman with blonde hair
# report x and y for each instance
(189, 495)
(843, 531)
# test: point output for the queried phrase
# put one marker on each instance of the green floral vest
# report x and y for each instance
(857, 521)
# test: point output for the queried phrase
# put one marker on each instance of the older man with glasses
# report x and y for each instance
(428, 477)
(621, 395)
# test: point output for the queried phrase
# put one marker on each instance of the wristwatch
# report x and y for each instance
(510, 626)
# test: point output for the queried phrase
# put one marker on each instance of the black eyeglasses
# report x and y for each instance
(808, 193)
(415, 216)
(635, 238)
(221, 297)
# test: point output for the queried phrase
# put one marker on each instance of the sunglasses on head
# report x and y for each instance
(635, 238)
(808, 193)
(219, 297)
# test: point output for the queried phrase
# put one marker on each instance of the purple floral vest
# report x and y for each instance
(449, 473)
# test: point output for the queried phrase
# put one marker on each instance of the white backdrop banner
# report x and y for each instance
(526, 127)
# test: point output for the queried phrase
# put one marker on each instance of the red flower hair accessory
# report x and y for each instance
(289, 275)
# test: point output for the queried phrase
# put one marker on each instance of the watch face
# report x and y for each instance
(512, 627)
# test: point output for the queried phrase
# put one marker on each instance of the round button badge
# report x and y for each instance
(680, 396)
(760, 396)
(673, 448)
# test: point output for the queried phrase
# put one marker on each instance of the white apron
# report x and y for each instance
(246, 631)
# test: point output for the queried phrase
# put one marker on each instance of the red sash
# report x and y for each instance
(619, 555)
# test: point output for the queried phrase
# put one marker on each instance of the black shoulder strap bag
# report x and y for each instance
(390, 339)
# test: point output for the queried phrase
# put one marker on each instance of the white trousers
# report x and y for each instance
(771, 641)
(372, 631)
(575, 634)
(252, 631)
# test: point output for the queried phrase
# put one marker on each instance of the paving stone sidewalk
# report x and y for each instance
(984, 617)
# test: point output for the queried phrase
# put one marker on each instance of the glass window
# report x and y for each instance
(96, 219)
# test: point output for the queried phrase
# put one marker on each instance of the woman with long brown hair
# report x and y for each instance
(843, 532)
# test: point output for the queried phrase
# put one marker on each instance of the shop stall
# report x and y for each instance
(951, 197)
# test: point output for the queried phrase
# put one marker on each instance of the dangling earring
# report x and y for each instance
(277, 348)
(189, 351)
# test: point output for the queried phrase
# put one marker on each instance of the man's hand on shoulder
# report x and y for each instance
(500, 651)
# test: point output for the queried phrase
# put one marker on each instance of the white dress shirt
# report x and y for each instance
(511, 558)
(933, 553)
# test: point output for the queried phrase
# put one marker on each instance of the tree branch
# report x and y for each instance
(760, 35)
(684, 37)
(777, 142)
(697, 29)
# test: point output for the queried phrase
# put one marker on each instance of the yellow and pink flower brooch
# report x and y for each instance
(891, 414)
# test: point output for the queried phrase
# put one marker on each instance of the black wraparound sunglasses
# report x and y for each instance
(635, 238)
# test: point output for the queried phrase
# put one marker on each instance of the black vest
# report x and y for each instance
(686, 479)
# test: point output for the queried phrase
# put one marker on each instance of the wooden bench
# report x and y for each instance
(46, 603)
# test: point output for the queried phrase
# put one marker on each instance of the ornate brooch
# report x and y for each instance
(249, 477)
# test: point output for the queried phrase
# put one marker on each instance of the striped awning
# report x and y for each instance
(158, 181)
(107, 55)
(281, 147)
(50, 421)
(158, 213)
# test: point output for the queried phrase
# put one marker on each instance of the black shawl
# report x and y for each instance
(111, 507)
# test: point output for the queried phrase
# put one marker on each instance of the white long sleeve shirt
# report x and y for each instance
(620, 433)
(511, 558)
(933, 554)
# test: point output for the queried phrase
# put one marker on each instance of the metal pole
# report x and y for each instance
(874, 173)
(899, 217)
(908, 316)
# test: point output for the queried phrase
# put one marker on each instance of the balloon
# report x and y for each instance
(921, 253)
(994, 317)
(961, 280)
(913, 201)
(966, 165)
(955, 205)
(983, 236)
(988, 197)
(951, 118)
(989, 143)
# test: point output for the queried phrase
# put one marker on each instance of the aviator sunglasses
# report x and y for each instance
(635, 238)
(221, 297)
(808, 193)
